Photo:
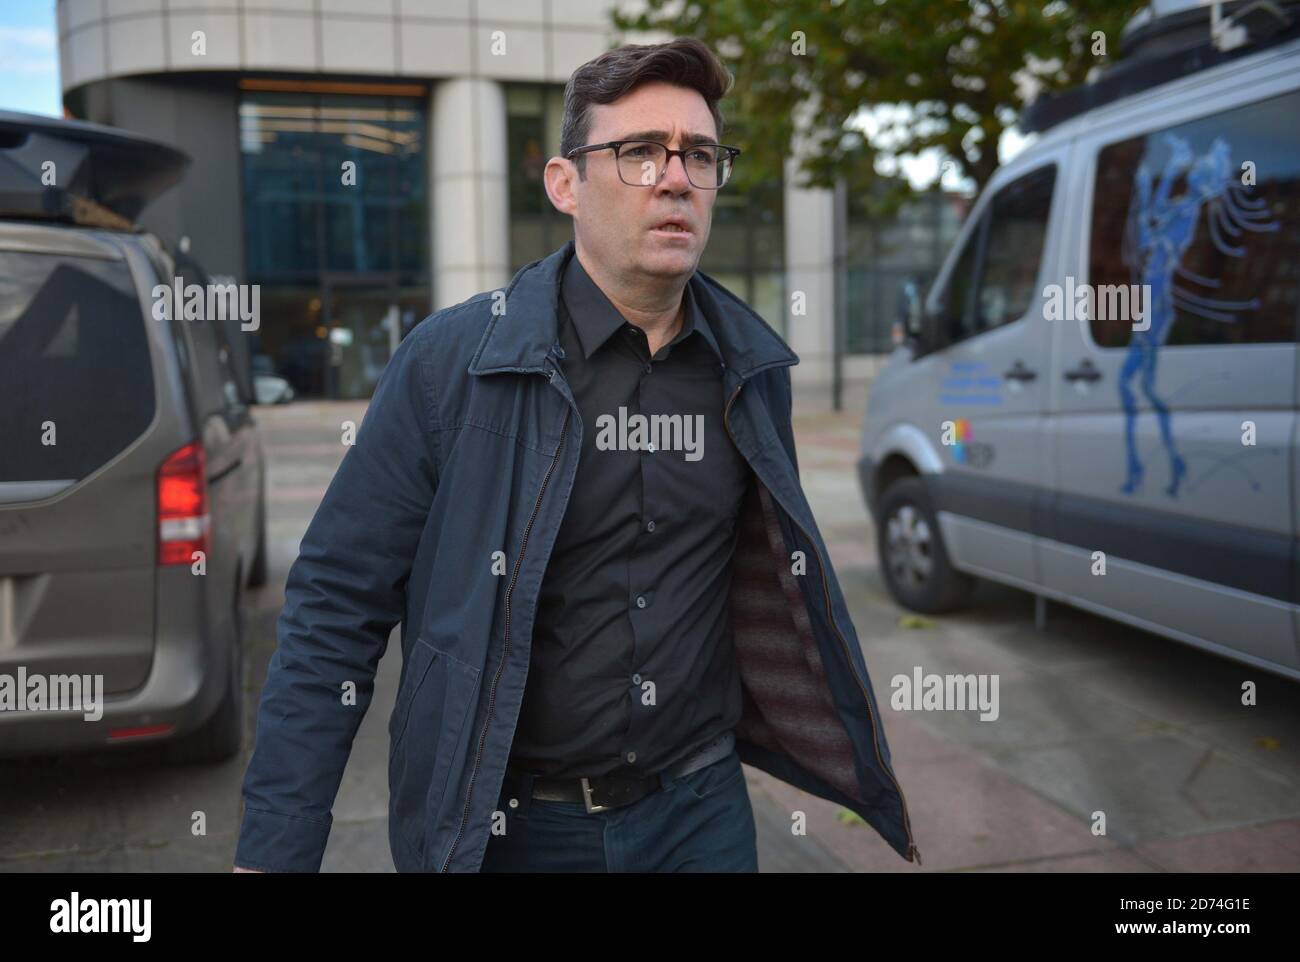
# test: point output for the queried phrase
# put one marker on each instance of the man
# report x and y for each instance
(580, 498)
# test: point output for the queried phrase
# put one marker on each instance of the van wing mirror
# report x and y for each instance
(911, 324)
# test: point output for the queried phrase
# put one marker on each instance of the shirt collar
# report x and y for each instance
(595, 318)
(521, 338)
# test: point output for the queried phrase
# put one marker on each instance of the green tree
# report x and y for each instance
(958, 72)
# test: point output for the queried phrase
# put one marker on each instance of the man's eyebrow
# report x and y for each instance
(662, 136)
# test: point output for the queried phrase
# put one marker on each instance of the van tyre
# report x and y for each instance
(913, 558)
(222, 736)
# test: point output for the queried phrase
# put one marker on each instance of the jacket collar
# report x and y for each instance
(522, 336)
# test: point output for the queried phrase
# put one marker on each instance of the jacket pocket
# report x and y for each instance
(422, 656)
(427, 748)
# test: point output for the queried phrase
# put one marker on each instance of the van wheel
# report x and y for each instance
(222, 736)
(912, 555)
(257, 570)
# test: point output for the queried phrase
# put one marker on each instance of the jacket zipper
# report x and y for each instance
(505, 653)
(830, 615)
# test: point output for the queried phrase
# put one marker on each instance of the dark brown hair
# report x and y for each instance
(685, 62)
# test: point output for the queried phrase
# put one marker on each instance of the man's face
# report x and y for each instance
(617, 223)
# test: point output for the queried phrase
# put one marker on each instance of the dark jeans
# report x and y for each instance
(700, 822)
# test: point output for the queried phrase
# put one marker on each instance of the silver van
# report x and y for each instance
(127, 445)
(1097, 399)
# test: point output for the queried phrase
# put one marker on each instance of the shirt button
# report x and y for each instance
(514, 803)
(631, 756)
(649, 368)
(636, 679)
(640, 601)
(651, 448)
(649, 525)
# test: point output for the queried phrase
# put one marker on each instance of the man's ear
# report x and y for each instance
(561, 176)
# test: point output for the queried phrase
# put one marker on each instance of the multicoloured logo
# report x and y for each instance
(960, 436)
(961, 440)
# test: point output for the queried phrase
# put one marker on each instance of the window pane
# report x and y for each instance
(336, 193)
(886, 254)
(1014, 249)
(282, 148)
(73, 351)
(1173, 210)
(212, 392)
(296, 342)
(953, 307)
(532, 138)
(747, 248)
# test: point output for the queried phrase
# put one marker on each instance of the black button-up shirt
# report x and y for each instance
(632, 662)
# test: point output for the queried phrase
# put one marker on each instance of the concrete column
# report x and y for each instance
(469, 193)
(810, 269)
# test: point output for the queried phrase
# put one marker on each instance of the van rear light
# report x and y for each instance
(144, 731)
(183, 520)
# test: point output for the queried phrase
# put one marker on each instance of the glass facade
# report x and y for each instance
(532, 138)
(746, 250)
(887, 254)
(336, 222)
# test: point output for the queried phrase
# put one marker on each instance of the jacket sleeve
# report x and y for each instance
(345, 593)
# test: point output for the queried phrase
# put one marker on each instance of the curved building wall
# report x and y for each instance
(540, 40)
(189, 72)
(488, 75)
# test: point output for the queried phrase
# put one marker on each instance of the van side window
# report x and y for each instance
(217, 391)
(1204, 219)
(996, 275)
(954, 299)
(1013, 249)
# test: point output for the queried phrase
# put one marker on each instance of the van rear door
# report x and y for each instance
(81, 426)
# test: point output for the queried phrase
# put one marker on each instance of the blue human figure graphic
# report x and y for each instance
(1159, 231)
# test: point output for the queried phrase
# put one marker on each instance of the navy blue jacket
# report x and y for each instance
(442, 516)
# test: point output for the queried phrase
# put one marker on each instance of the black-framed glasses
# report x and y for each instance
(641, 163)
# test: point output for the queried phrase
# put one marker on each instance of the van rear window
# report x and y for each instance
(76, 382)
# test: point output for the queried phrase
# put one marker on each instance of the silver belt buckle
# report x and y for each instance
(586, 798)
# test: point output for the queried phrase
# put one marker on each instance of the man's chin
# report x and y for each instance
(669, 263)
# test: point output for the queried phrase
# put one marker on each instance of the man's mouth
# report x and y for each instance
(673, 226)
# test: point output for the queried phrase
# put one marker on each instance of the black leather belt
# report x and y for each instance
(611, 791)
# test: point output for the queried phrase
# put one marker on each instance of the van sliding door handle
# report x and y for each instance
(1019, 372)
(1084, 372)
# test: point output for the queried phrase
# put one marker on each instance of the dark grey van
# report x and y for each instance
(132, 479)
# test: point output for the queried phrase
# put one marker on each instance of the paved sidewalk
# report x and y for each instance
(1095, 716)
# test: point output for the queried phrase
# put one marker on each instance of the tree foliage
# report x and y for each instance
(958, 72)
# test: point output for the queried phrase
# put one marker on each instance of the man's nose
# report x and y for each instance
(678, 181)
